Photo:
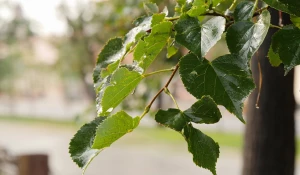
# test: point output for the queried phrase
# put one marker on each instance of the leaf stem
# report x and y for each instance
(233, 5)
(255, 6)
(146, 110)
(169, 93)
(274, 26)
(216, 14)
(262, 9)
(159, 71)
(173, 18)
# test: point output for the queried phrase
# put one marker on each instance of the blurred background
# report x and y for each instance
(47, 53)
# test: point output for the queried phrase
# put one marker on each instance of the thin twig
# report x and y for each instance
(157, 72)
(260, 82)
(159, 92)
(216, 14)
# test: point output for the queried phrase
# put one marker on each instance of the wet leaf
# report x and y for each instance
(196, 37)
(204, 149)
(80, 147)
(227, 80)
(172, 118)
(244, 37)
(286, 42)
(113, 128)
(204, 110)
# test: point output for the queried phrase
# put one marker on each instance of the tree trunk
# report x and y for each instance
(270, 129)
(33, 165)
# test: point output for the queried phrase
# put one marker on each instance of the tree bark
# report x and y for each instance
(270, 129)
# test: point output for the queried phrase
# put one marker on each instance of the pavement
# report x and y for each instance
(121, 158)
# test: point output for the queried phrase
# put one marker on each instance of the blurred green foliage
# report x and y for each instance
(14, 36)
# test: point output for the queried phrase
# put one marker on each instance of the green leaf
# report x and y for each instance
(274, 58)
(204, 110)
(115, 49)
(110, 69)
(244, 11)
(80, 147)
(157, 18)
(216, 2)
(172, 50)
(172, 118)
(199, 7)
(122, 83)
(286, 42)
(183, 6)
(181, 2)
(244, 37)
(296, 21)
(111, 52)
(289, 6)
(113, 128)
(199, 39)
(150, 8)
(146, 51)
(227, 80)
(204, 149)
(142, 25)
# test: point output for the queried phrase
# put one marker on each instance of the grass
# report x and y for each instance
(38, 121)
(143, 135)
(230, 140)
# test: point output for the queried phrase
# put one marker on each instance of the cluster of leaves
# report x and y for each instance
(227, 80)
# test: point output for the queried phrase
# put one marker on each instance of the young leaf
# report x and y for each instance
(157, 18)
(227, 80)
(296, 21)
(274, 58)
(171, 50)
(80, 148)
(183, 6)
(199, 7)
(113, 128)
(244, 11)
(122, 83)
(151, 8)
(204, 110)
(199, 39)
(204, 149)
(146, 51)
(216, 2)
(286, 42)
(289, 6)
(172, 118)
(244, 37)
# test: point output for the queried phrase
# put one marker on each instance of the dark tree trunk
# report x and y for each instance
(270, 129)
(33, 165)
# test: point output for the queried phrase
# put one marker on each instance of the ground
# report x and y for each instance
(145, 151)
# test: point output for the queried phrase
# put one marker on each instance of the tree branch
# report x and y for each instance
(159, 92)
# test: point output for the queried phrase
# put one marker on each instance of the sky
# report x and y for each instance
(45, 15)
